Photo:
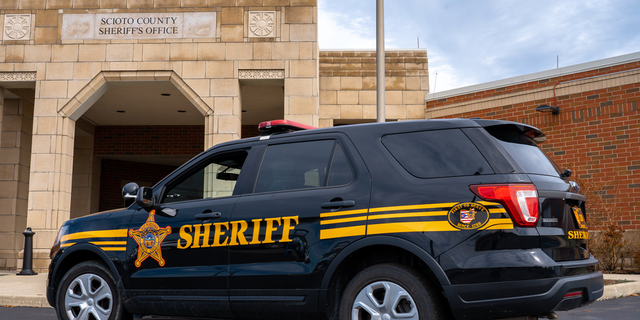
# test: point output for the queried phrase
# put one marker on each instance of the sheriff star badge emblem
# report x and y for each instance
(149, 237)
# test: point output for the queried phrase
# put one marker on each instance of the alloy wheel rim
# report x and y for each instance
(384, 300)
(88, 297)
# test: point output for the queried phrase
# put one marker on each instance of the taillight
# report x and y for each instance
(521, 200)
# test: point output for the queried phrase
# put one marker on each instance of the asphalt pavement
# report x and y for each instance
(627, 308)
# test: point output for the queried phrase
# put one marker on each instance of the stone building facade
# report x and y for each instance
(596, 133)
(95, 93)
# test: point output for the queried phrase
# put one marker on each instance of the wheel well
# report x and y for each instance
(364, 258)
(73, 259)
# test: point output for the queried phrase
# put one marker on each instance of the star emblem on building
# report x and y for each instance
(149, 237)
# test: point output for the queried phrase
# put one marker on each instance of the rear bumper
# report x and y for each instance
(522, 298)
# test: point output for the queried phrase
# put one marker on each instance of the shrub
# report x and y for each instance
(606, 240)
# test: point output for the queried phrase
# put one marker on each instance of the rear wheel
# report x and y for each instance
(88, 292)
(389, 291)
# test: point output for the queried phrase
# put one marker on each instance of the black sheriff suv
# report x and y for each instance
(433, 219)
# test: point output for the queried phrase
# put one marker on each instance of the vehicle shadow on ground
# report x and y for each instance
(627, 308)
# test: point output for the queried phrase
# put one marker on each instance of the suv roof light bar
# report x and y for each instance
(281, 126)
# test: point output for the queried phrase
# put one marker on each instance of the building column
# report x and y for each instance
(225, 124)
(50, 178)
(1, 110)
(15, 151)
(83, 197)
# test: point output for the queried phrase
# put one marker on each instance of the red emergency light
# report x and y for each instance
(282, 126)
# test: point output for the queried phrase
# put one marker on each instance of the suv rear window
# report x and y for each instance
(436, 154)
(525, 152)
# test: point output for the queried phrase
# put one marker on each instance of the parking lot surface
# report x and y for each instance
(620, 309)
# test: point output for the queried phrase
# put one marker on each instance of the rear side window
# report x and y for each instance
(524, 151)
(303, 165)
(435, 154)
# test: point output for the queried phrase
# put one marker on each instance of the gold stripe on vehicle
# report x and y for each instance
(500, 210)
(113, 248)
(497, 224)
(342, 213)
(400, 227)
(107, 243)
(487, 203)
(68, 244)
(414, 207)
(408, 215)
(343, 232)
(362, 218)
(119, 233)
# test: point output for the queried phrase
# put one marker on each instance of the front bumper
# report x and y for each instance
(51, 296)
(522, 298)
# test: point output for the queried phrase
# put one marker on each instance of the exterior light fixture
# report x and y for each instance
(548, 108)
(165, 94)
(182, 111)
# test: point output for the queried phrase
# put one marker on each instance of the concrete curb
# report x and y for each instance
(24, 301)
(23, 291)
(621, 289)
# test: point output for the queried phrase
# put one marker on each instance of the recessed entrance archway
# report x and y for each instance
(131, 126)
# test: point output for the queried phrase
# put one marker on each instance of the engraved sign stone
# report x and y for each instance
(262, 24)
(139, 25)
(17, 27)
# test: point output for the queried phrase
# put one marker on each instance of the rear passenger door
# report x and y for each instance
(308, 198)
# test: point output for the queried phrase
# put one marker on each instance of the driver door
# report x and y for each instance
(179, 265)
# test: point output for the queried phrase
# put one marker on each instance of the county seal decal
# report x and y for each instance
(149, 237)
(468, 216)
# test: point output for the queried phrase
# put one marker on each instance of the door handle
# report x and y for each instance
(338, 204)
(207, 214)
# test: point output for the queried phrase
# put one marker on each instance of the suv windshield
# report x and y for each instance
(525, 152)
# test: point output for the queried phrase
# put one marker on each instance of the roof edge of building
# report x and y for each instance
(373, 49)
(576, 68)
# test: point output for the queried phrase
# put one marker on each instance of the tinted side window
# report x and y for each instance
(303, 165)
(216, 179)
(434, 154)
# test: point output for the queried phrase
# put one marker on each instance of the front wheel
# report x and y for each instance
(390, 291)
(88, 292)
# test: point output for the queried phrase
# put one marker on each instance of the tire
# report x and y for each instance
(88, 292)
(390, 291)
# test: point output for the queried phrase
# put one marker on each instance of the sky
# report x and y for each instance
(471, 42)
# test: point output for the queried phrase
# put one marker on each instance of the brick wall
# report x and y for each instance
(114, 172)
(249, 131)
(521, 87)
(148, 140)
(136, 141)
(598, 129)
(348, 85)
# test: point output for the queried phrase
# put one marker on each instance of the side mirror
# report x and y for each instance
(130, 190)
(144, 198)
